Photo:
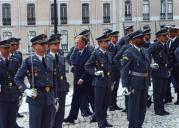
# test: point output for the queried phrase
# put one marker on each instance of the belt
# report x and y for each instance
(138, 74)
(44, 89)
(163, 65)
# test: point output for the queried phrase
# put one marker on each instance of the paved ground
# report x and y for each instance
(118, 118)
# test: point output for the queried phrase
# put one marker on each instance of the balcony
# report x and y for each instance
(146, 16)
(6, 21)
(128, 17)
(106, 19)
(85, 20)
(30, 21)
(63, 20)
(170, 16)
(162, 16)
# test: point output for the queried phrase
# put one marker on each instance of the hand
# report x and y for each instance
(80, 82)
(99, 73)
(154, 66)
(31, 92)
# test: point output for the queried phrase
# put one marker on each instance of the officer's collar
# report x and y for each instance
(3, 58)
(39, 56)
(138, 49)
(53, 54)
(173, 39)
(103, 51)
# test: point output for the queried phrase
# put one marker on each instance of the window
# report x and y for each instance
(146, 10)
(63, 13)
(31, 34)
(170, 9)
(6, 14)
(30, 14)
(64, 40)
(163, 9)
(7, 35)
(85, 13)
(128, 10)
(53, 14)
(106, 13)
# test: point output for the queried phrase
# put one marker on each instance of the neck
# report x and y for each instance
(40, 54)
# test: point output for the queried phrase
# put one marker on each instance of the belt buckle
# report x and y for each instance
(108, 73)
(10, 84)
(47, 89)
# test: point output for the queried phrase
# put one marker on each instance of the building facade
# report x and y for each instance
(28, 18)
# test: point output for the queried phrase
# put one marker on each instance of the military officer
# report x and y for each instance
(9, 93)
(128, 30)
(177, 65)
(172, 44)
(14, 46)
(117, 59)
(59, 78)
(159, 71)
(147, 37)
(114, 48)
(135, 80)
(99, 65)
(40, 95)
(82, 79)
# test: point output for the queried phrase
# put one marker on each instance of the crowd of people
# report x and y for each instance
(134, 60)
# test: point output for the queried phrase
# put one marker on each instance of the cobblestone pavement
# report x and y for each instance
(117, 118)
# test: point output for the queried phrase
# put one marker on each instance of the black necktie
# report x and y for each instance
(43, 62)
(56, 58)
(143, 56)
(7, 62)
(115, 49)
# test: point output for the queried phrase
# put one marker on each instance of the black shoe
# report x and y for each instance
(177, 102)
(124, 110)
(168, 101)
(88, 113)
(68, 120)
(117, 107)
(108, 125)
(160, 113)
(19, 115)
(111, 108)
(93, 119)
(165, 112)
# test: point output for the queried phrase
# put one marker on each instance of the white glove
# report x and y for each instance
(98, 73)
(31, 92)
(125, 91)
(154, 66)
(80, 82)
(56, 104)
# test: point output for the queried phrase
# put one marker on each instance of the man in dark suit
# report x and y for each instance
(99, 65)
(159, 71)
(59, 79)
(82, 79)
(114, 47)
(40, 96)
(9, 93)
(173, 43)
(135, 80)
(18, 55)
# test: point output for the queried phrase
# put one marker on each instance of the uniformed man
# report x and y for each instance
(172, 44)
(159, 71)
(128, 30)
(82, 79)
(117, 59)
(9, 93)
(135, 80)
(14, 46)
(40, 95)
(59, 78)
(99, 65)
(177, 65)
(147, 37)
(114, 48)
